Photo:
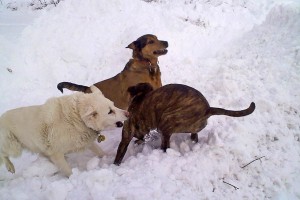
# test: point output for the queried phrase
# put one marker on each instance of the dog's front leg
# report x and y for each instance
(165, 141)
(194, 137)
(97, 150)
(59, 160)
(127, 135)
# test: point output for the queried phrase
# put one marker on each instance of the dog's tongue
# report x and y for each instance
(119, 124)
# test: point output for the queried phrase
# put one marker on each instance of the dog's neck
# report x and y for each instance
(140, 65)
(137, 55)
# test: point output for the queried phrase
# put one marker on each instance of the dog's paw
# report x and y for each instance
(138, 142)
(92, 163)
(10, 167)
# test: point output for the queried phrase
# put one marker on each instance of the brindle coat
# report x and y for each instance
(170, 109)
(143, 67)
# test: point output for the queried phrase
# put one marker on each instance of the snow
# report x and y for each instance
(233, 51)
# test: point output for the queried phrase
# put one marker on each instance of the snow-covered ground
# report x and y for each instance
(233, 51)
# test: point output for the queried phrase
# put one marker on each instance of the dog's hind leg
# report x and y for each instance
(9, 166)
(9, 146)
(59, 160)
(194, 134)
(97, 150)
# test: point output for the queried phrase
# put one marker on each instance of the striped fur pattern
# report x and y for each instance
(173, 108)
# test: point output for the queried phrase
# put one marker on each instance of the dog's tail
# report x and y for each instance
(231, 113)
(73, 87)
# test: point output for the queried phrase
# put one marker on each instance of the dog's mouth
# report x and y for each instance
(160, 52)
(119, 124)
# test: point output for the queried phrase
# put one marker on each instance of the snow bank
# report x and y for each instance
(234, 52)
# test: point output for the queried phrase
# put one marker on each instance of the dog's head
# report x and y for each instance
(148, 47)
(138, 92)
(98, 112)
(140, 89)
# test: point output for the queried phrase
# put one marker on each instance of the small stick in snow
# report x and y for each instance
(9, 70)
(252, 161)
(236, 188)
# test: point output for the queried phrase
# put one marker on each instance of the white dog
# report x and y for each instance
(61, 125)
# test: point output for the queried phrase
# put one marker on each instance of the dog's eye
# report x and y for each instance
(94, 114)
(110, 111)
(151, 42)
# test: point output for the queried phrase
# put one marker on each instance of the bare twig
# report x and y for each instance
(9, 70)
(252, 161)
(236, 188)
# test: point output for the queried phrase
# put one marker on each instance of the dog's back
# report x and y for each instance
(30, 125)
(61, 125)
(40, 129)
(20, 120)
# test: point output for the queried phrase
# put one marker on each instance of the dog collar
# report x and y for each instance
(152, 68)
(138, 67)
(100, 138)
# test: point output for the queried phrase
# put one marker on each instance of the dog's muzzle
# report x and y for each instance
(161, 52)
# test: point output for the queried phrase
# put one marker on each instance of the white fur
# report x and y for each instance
(61, 125)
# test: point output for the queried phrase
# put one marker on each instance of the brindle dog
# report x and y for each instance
(143, 67)
(170, 109)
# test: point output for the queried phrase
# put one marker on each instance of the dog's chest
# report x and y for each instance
(139, 72)
(82, 140)
(143, 122)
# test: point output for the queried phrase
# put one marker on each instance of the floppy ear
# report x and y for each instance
(84, 108)
(132, 91)
(88, 111)
(141, 88)
(94, 89)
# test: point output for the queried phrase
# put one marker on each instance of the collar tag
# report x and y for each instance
(100, 138)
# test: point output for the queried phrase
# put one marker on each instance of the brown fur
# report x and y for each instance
(141, 68)
(170, 109)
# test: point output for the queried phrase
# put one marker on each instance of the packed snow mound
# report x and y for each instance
(76, 41)
(234, 52)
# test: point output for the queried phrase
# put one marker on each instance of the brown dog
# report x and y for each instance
(141, 68)
(171, 109)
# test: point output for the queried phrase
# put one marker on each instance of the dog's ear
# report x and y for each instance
(94, 89)
(141, 88)
(135, 45)
(89, 111)
(84, 109)
(131, 46)
(132, 91)
(138, 44)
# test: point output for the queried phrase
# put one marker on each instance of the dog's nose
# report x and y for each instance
(119, 124)
(126, 113)
(166, 43)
